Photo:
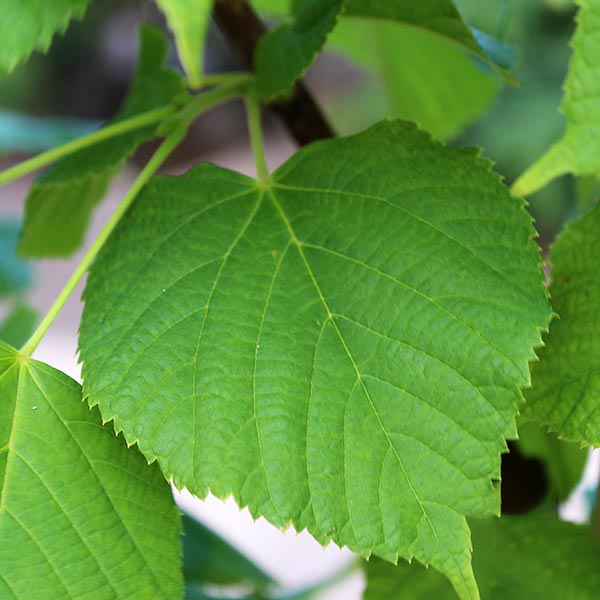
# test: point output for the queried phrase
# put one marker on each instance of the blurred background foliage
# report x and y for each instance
(370, 70)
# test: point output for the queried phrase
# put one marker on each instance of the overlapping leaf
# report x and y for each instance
(81, 516)
(286, 52)
(578, 151)
(188, 19)
(341, 350)
(522, 558)
(566, 381)
(61, 200)
(424, 78)
(29, 26)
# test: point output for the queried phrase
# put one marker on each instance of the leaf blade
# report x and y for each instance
(577, 151)
(61, 200)
(522, 557)
(188, 20)
(565, 380)
(273, 326)
(25, 28)
(91, 539)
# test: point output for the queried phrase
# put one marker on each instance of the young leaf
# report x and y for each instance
(578, 151)
(60, 202)
(566, 380)
(188, 19)
(516, 557)
(29, 26)
(81, 516)
(439, 86)
(286, 52)
(341, 350)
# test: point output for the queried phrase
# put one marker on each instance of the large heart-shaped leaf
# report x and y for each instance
(340, 348)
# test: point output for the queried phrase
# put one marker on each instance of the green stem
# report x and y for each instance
(118, 128)
(256, 138)
(169, 144)
(179, 127)
(226, 78)
(206, 100)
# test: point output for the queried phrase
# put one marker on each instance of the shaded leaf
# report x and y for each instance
(285, 53)
(564, 462)
(60, 202)
(566, 381)
(341, 350)
(81, 516)
(188, 20)
(31, 25)
(529, 557)
(578, 151)
(439, 86)
(208, 558)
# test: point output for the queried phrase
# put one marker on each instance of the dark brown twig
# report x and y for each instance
(300, 113)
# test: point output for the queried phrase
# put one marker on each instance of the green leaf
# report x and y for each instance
(15, 275)
(566, 380)
(439, 87)
(29, 26)
(578, 151)
(517, 557)
(285, 53)
(564, 462)
(208, 558)
(18, 325)
(341, 350)
(438, 16)
(188, 20)
(61, 201)
(81, 516)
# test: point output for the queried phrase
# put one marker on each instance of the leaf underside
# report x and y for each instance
(578, 152)
(81, 516)
(566, 381)
(61, 200)
(341, 351)
(31, 25)
(533, 556)
(441, 87)
(284, 54)
(188, 20)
